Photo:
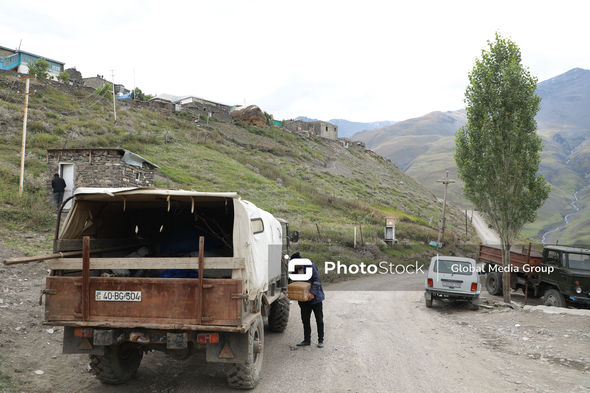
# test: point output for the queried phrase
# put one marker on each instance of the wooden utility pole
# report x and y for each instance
(24, 138)
(441, 232)
(114, 106)
(466, 226)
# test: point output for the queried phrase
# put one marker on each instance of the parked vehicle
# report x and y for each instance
(560, 274)
(452, 279)
(173, 271)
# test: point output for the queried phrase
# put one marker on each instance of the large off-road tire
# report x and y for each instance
(118, 364)
(428, 299)
(553, 298)
(278, 317)
(494, 283)
(246, 376)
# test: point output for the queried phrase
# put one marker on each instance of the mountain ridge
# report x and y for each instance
(423, 147)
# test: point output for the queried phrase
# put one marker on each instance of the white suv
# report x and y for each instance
(452, 278)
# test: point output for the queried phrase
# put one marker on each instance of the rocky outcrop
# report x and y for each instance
(251, 115)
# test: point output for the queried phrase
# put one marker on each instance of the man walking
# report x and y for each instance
(58, 184)
(313, 304)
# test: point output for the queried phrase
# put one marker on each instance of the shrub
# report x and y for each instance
(39, 69)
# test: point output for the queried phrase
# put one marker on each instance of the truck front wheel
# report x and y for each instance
(278, 317)
(118, 364)
(246, 376)
(494, 283)
(554, 298)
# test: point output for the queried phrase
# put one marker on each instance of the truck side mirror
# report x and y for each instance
(294, 236)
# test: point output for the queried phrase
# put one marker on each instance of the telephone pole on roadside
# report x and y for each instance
(114, 105)
(441, 232)
(24, 138)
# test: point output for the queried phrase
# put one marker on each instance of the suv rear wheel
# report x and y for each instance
(118, 364)
(554, 298)
(428, 298)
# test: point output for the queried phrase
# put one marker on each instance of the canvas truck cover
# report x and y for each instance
(253, 247)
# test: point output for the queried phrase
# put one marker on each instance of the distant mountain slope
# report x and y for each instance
(347, 128)
(406, 140)
(565, 100)
(423, 148)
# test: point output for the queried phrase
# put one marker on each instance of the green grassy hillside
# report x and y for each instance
(323, 189)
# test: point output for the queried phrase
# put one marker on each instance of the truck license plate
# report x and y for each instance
(117, 296)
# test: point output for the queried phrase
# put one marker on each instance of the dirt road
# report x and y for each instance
(487, 235)
(380, 339)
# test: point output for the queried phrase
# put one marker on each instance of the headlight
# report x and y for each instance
(578, 290)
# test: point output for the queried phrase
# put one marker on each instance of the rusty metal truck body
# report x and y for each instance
(175, 271)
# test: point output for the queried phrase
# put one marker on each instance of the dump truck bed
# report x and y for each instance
(518, 258)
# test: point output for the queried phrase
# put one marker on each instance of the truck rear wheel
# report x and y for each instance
(278, 317)
(246, 376)
(494, 283)
(554, 298)
(118, 364)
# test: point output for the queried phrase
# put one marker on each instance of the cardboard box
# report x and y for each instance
(299, 291)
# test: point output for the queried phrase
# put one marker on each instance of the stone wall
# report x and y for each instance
(318, 128)
(100, 168)
(95, 82)
(197, 108)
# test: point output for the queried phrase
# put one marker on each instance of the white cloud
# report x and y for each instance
(362, 61)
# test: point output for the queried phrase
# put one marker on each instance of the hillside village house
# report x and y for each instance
(323, 129)
(99, 167)
(19, 60)
(195, 105)
(96, 82)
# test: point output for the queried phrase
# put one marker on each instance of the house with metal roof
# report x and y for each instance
(99, 167)
(19, 60)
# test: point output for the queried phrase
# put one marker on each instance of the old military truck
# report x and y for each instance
(560, 274)
(167, 270)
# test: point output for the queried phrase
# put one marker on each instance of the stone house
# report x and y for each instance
(98, 81)
(322, 129)
(199, 106)
(99, 167)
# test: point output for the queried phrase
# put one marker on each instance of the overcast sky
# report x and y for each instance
(358, 60)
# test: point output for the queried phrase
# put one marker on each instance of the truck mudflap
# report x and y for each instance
(231, 348)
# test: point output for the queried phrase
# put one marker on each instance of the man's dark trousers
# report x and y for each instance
(306, 309)
(58, 198)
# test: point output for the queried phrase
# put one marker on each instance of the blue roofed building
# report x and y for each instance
(19, 60)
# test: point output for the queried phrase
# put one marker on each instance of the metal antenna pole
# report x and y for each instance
(114, 106)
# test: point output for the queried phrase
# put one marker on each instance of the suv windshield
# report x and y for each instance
(464, 268)
(579, 261)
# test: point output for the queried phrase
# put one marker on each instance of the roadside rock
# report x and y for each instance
(251, 115)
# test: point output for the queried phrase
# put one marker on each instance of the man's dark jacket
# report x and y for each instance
(58, 184)
(316, 286)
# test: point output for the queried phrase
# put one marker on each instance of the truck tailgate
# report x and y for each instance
(163, 300)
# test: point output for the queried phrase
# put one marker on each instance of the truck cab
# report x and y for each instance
(565, 276)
